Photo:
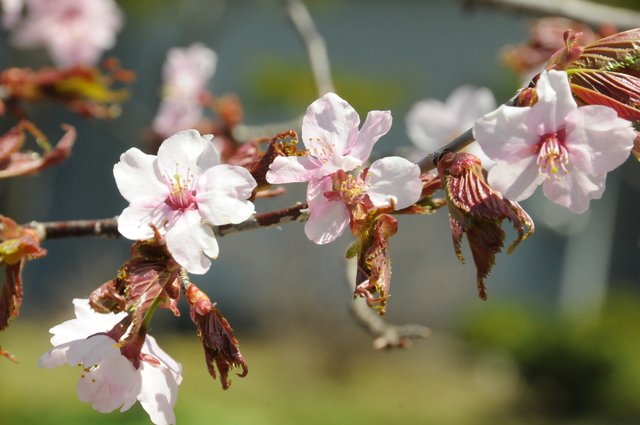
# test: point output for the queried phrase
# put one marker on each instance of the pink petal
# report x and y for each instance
(467, 104)
(330, 121)
(187, 238)
(575, 190)
(597, 140)
(111, 385)
(429, 124)
(186, 154)
(158, 393)
(503, 134)
(555, 102)
(137, 175)
(175, 115)
(338, 162)
(328, 219)
(516, 180)
(55, 357)
(327, 222)
(92, 351)
(134, 221)
(394, 178)
(292, 169)
(222, 194)
(375, 126)
(151, 347)
(87, 323)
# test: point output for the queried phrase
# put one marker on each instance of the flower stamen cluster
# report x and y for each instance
(553, 157)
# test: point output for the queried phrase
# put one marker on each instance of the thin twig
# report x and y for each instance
(592, 14)
(108, 227)
(314, 43)
(430, 161)
(387, 335)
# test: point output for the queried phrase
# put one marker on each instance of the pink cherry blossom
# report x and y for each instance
(11, 12)
(183, 191)
(567, 149)
(431, 123)
(186, 73)
(75, 32)
(330, 134)
(390, 180)
(109, 380)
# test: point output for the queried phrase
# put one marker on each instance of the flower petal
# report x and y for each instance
(375, 126)
(110, 385)
(134, 221)
(187, 238)
(597, 140)
(55, 357)
(503, 134)
(555, 102)
(150, 346)
(137, 175)
(158, 393)
(291, 169)
(186, 154)
(92, 351)
(394, 178)
(327, 219)
(575, 190)
(516, 180)
(222, 194)
(330, 122)
(87, 323)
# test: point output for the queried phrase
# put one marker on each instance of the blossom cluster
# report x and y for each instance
(571, 126)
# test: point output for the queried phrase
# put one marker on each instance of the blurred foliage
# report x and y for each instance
(628, 4)
(289, 84)
(572, 370)
(300, 377)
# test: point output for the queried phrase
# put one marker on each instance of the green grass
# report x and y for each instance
(298, 381)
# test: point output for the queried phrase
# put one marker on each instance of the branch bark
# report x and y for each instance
(592, 14)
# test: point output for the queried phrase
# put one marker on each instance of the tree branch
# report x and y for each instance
(387, 335)
(108, 227)
(314, 43)
(592, 14)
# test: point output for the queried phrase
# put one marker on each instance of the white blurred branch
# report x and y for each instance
(387, 335)
(314, 43)
(588, 12)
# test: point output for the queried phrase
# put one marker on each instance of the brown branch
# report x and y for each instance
(387, 335)
(108, 227)
(430, 161)
(592, 14)
(299, 213)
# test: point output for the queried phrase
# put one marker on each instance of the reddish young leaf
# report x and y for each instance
(220, 346)
(478, 211)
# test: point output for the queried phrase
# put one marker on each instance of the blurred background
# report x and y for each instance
(556, 343)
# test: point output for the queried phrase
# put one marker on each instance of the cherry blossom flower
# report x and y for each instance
(75, 32)
(391, 181)
(330, 134)
(11, 12)
(431, 123)
(186, 73)
(567, 149)
(182, 191)
(109, 379)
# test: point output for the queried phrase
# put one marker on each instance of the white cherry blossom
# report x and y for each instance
(109, 380)
(431, 123)
(333, 141)
(75, 32)
(567, 149)
(183, 191)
